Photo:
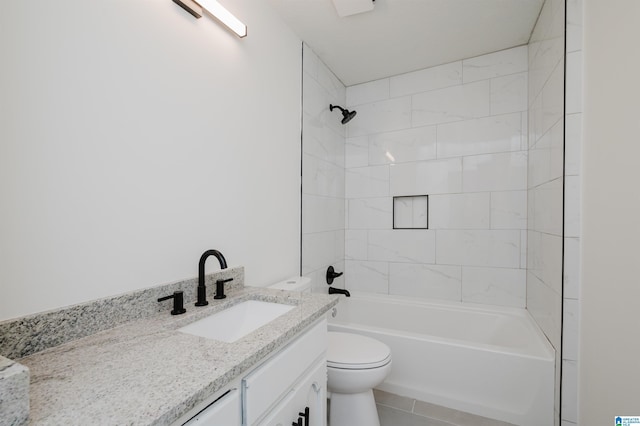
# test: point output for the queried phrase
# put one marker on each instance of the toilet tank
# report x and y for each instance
(302, 284)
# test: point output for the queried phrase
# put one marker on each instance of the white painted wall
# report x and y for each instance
(132, 138)
(609, 373)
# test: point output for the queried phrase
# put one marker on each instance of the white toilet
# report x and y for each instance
(356, 364)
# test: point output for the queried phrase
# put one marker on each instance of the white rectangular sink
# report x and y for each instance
(237, 321)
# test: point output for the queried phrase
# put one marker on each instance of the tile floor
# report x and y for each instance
(395, 410)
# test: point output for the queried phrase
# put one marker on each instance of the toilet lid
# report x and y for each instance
(354, 352)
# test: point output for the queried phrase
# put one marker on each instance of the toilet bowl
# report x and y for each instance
(356, 364)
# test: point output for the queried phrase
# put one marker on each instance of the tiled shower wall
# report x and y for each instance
(545, 176)
(323, 172)
(457, 133)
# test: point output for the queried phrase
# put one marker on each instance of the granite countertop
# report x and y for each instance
(146, 373)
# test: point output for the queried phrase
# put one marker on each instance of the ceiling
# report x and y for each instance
(400, 36)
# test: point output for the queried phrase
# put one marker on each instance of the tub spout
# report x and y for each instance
(339, 291)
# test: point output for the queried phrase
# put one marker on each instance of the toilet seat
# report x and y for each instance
(356, 352)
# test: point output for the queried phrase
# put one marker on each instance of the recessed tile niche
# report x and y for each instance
(411, 212)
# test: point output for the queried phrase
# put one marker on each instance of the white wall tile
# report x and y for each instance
(370, 213)
(416, 246)
(427, 281)
(382, 116)
(574, 25)
(574, 83)
(572, 268)
(454, 103)
(545, 259)
(480, 136)
(570, 324)
(509, 210)
(499, 248)
(322, 141)
(573, 144)
(356, 152)
(372, 91)
(494, 286)
(523, 249)
(509, 93)
(315, 97)
(460, 211)
(322, 214)
(426, 177)
(549, 55)
(372, 277)
(553, 98)
(495, 172)
(321, 249)
(367, 182)
(535, 121)
(427, 79)
(355, 244)
(310, 61)
(504, 62)
(545, 306)
(525, 130)
(546, 156)
(572, 206)
(334, 87)
(544, 207)
(322, 178)
(403, 145)
(570, 391)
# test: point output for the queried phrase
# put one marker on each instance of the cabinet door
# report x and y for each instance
(310, 392)
(224, 411)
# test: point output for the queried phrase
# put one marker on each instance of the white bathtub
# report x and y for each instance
(493, 362)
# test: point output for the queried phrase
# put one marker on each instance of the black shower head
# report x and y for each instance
(346, 114)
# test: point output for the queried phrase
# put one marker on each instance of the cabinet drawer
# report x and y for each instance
(265, 386)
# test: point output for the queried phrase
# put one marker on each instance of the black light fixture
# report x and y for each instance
(346, 114)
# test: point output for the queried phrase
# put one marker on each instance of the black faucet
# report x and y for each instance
(339, 291)
(202, 289)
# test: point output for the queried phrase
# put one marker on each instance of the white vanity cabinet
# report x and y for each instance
(290, 384)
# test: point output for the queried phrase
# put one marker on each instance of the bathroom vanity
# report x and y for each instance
(146, 372)
(287, 388)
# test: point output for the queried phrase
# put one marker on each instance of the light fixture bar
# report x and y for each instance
(223, 15)
(190, 6)
(216, 10)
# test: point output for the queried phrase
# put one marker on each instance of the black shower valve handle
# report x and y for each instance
(332, 274)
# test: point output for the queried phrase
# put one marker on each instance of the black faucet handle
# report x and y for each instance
(178, 302)
(332, 274)
(220, 288)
